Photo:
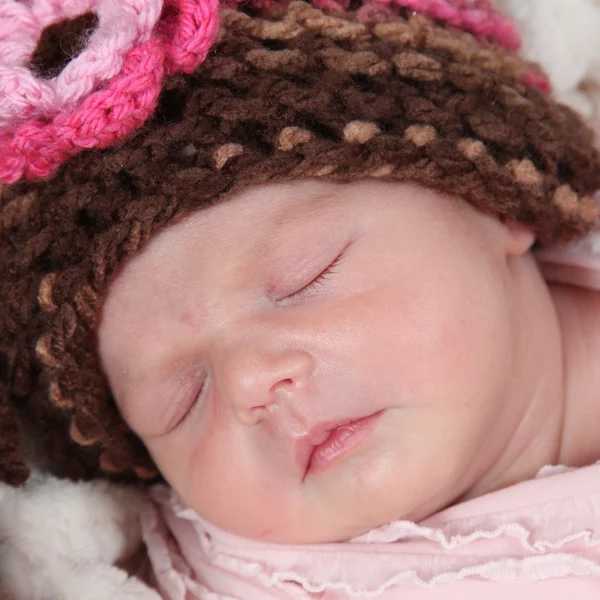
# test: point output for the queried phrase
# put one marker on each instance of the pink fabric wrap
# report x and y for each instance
(537, 539)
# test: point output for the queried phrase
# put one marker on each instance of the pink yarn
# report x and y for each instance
(38, 148)
(123, 24)
(190, 34)
(540, 81)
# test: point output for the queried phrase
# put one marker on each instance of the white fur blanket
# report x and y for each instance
(63, 540)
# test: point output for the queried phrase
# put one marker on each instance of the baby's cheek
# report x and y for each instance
(221, 480)
(423, 464)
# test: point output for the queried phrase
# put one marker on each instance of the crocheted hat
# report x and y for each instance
(426, 91)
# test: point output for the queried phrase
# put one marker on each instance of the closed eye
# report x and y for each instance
(190, 408)
(318, 281)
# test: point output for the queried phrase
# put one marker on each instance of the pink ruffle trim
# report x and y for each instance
(546, 534)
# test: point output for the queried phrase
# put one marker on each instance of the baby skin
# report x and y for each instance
(308, 361)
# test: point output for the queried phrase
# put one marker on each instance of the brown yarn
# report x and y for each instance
(293, 94)
(13, 469)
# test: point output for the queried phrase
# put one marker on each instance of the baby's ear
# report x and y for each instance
(519, 239)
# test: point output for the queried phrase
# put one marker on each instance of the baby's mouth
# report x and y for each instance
(326, 443)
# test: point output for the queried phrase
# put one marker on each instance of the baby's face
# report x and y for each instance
(308, 361)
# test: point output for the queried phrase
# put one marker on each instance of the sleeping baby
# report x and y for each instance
(322, 294)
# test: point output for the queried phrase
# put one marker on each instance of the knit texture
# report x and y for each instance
(24, 95)
(59, 118)
(121, 45)
(288, 93)
(475, 16)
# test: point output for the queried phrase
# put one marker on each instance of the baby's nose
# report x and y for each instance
(256, 379)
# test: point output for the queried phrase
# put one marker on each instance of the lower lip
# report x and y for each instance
(340, 442)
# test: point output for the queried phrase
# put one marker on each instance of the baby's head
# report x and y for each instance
(305, 284)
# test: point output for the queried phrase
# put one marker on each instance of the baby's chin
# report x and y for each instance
(318, 532)
(345, 523)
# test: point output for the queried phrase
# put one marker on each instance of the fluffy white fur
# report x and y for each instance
(62, 540)
(564, 37)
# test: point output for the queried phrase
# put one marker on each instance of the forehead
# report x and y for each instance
(257, 214)
(258, 220)
(253, 225)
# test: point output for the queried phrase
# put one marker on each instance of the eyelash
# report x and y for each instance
(317, 281)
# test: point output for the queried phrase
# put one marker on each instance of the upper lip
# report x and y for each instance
(317, 435)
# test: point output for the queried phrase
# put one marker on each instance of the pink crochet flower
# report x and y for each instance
(178, 43)
(123, 24)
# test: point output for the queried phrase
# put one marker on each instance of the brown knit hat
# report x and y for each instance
(289, 93)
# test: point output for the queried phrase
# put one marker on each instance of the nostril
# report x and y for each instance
(60, 43)
(285, 385)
